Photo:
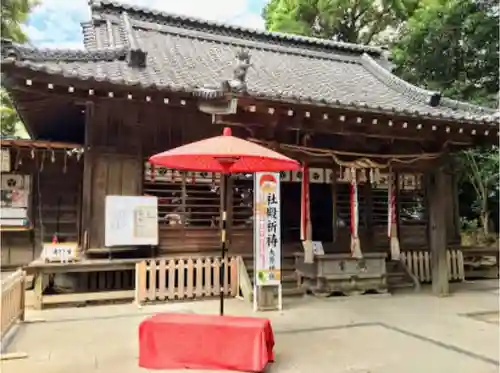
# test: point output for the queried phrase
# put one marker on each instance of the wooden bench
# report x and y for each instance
(471, 252)
(98, 268)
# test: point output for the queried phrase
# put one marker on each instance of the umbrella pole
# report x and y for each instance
(223, 193)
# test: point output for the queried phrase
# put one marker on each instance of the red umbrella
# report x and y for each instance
(225, 154)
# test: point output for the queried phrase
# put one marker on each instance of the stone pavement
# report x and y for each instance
(371, 333)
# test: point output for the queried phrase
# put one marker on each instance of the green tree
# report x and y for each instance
(452, 46)
(14, 14)
(9, 117)
(479, 168)
(354, 21)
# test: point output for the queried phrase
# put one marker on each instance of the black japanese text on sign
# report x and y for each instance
(272, 226)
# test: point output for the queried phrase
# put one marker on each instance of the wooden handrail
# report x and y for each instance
(244, 282)
(13, 301)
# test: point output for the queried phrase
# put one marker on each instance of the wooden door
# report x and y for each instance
(113, 174)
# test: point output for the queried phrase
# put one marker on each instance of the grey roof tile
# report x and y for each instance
(184, 54)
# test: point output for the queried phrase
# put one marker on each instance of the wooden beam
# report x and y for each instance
(88, 297)
(436, 191)
(83, 91)
(448, 129)
(357, 125)
(39, 144)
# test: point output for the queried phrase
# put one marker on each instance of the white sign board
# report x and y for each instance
(317, 248)
(60, 252)
(131, 220)
(267, 229)
(4, 160)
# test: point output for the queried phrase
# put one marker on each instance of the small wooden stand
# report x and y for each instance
(264, 298)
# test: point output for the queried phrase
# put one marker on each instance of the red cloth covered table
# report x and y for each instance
(177, 341)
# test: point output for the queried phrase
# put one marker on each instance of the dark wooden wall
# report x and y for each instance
(122, 136)
(120, 139)
(113, 163)
(55, 204)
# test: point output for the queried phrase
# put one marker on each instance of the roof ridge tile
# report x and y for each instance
(97, 5)
(428, 97)
(11, 50)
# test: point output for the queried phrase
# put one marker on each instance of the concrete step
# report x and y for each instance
(293, 292)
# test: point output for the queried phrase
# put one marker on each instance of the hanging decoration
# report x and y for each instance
(65, 165)
(5, 160)
(152, 171)
(305, 231)
(33, 148)
(362, 160)
(392, 231)
(19, 161)
(42, 161)
(305, 216)
(355, 242)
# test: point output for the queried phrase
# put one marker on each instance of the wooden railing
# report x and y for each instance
(419, 264)
(13, 301)
(171, 279)
(245, 287)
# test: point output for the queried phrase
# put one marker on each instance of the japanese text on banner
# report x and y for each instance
(267, 229)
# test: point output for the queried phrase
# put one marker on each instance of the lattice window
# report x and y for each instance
(242, 199)
(189, 199)
(412, 201)
(343, 205)
(380, 206)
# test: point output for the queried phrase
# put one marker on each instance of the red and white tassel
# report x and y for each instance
(355, 243)
(153, 172)
(304, 210)
(392, 231)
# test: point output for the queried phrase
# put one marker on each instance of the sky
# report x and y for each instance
(56, 23)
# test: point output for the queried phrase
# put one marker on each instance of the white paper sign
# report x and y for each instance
(317, 248)
(4, 160)
(60, 252)
(267, 228)
(131, 220)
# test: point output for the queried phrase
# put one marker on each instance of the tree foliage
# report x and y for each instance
(9, 118)
(354, 21)
(452, 46)
(14, 14)
(480, 169)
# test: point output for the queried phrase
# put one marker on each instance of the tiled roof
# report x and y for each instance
(127, 45)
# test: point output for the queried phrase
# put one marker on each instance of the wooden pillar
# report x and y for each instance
(369, 244)
(334, 204)
(397, 193)
(450, 209)
(86, 203)
(456, 208)
(436, 192)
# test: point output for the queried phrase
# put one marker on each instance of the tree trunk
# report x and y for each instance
(485, 222)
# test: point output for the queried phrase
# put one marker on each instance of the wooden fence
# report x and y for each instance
(13, 301)
(169, 279)
(418, 263)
